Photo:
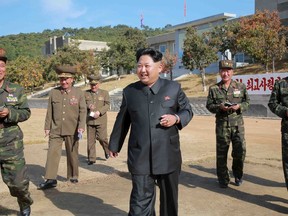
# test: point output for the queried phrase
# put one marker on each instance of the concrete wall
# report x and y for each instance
(258, 105)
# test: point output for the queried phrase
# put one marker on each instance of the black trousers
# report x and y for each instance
(143, 194)
(285, 156)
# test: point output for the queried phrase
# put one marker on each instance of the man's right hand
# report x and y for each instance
(47, 132)
(224, 108)
(113, 154)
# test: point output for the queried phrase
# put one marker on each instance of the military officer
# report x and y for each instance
(98, 103)
(13, 109)
(65, 121)
(278, 104)
(228, 99)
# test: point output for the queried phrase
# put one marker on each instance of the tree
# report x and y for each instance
(197, 53)
(26, 71)
(90, 64)
(263, 37)
(169, 61)
(224, 37)
(121, 53)
(85, 60)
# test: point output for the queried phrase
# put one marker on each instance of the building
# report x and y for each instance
(279, 5)
(55, 43)
(174, 40)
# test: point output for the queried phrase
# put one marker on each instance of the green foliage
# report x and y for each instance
(31, 44)
(197, 53)
(225, 37)
(262, 36)
(121, 53)
(25, 71)
(84, 60)
(124, 41)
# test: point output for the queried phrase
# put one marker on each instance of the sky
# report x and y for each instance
(35, 16)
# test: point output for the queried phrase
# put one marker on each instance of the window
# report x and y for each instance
(162, 48)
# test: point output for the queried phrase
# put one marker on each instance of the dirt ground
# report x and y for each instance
(104, 188)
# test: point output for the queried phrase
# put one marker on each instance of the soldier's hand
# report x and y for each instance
(235, 107)
(97, 114)
(4, 113)
(223, 107)
(80, 130)
(91, 107)
(47, 132)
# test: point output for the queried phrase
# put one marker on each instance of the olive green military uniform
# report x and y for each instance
(65, 114)
(13, 167)
(229, 127)
(278, 104)
(97, 128)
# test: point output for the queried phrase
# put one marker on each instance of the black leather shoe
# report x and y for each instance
(49, 183)
(223, 185)
(74, 180)
(25, 212)
(238, 181)
(107, 156)
(91, 162)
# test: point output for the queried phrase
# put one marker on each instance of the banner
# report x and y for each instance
(258, 84)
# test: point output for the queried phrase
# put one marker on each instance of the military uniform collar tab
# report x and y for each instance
(67, 91)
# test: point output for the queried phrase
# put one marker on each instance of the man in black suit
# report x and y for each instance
(155, 109)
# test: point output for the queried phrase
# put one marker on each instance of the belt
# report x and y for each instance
(6, 125)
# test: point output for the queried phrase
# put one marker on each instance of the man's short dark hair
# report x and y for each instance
(153, 53)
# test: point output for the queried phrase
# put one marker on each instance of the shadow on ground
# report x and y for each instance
(191, 180)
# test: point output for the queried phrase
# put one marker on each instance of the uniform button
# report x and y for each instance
(151, 102)
(63, 119)
(63, 112)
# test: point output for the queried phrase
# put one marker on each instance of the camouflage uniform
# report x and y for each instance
(13, 167)
(229, 127)
(278, 104)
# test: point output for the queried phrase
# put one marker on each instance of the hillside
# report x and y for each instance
(31, 44)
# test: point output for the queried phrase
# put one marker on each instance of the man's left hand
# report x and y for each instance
(235, 107)
(167, 120)
(4, 113)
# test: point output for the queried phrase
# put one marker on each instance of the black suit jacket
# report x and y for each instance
(152, 149)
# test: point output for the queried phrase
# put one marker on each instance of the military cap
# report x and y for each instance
(3, 55)
(94, 79)
(65, 71)
(226, 64)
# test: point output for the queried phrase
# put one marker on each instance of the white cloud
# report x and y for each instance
(63, 9)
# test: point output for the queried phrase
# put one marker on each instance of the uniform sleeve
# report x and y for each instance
(106, 106)
(48, 118)
(211, 103)
(82, 111)
(184, 112)
(245, 101)
(20, 111)
(120, 128)
(275, 104)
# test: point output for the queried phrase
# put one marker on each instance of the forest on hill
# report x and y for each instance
(31, 44)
